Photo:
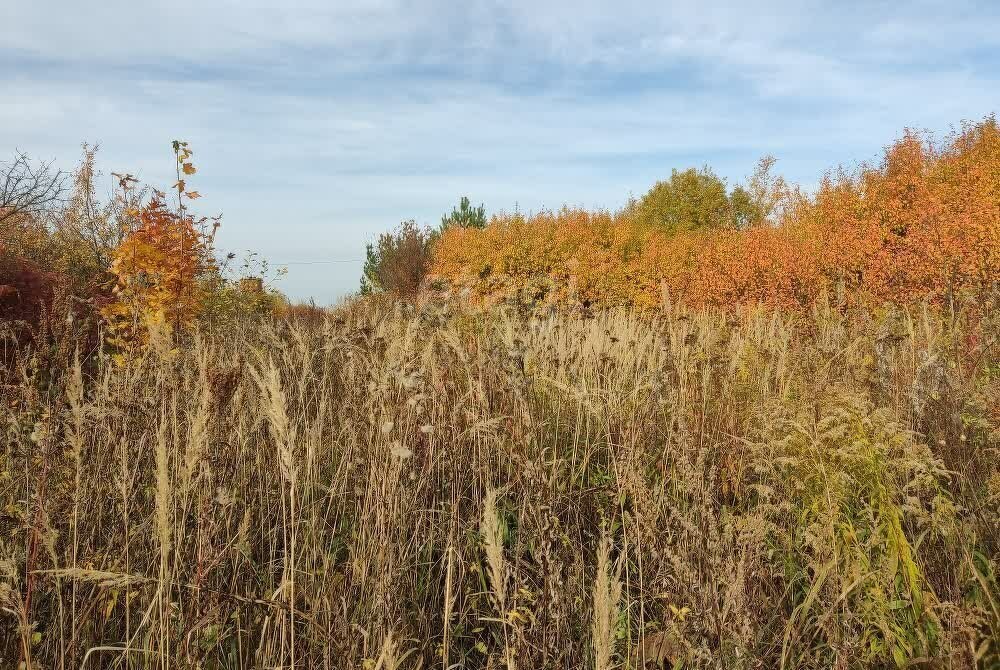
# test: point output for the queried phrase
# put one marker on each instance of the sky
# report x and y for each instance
(317, 124)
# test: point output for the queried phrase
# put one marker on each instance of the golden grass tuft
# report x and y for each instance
(442, 486)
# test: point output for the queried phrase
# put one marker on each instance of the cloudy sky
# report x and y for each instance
(318, 123)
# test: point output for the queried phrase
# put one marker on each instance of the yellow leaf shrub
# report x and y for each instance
(156, 270)
(925, 222)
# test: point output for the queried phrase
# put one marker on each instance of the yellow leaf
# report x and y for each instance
(188, 168)
(194, 195)
(112, 601)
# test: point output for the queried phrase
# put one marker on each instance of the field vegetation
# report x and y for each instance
(924, 222)
(741, 427)
(418, 488)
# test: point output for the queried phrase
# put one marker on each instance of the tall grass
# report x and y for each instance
(394, 487)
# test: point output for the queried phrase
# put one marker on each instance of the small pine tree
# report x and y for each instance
(465, 216)
(369, 275)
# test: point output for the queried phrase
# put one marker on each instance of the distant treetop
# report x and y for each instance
(465, 216)
(695, 199)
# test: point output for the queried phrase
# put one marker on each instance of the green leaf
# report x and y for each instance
(899, 656)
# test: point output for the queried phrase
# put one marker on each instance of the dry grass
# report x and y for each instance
(438, 487)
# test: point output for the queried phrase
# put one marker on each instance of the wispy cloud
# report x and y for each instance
(318, 124)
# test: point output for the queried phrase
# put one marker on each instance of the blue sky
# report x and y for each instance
(317, 124)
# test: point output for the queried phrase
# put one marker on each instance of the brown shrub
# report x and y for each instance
(25, 289)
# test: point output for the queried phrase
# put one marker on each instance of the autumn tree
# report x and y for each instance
(768, 194)
(923, 223)
(88, 228)
(159, 265)
(398, 261)
(744, 210)
(54, 257)
(690, 200)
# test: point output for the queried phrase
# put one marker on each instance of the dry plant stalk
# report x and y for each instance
(607, 594)
(445, 486)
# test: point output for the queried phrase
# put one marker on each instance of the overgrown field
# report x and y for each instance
(439, 486)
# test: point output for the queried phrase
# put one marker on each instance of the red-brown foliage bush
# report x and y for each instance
(26, 290)
(398, 262)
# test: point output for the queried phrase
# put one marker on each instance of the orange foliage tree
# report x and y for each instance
(925, 222)
(158, 265)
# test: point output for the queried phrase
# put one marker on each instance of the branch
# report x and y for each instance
(29, 189)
